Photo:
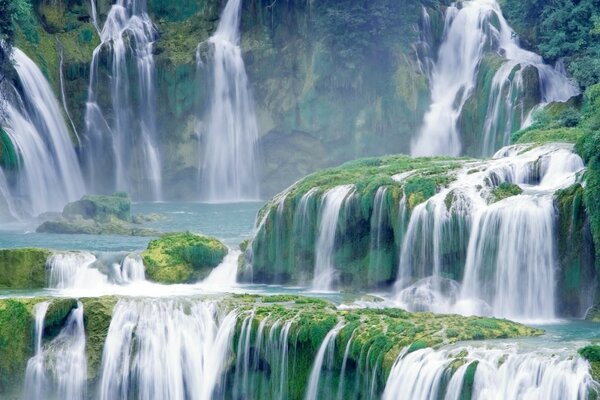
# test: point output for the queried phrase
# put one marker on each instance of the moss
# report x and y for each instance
(182, 257)
(97, 317)
(110, 226)
(23, 268)
(592, 354)
(100, 208)
(505, 190)
(9, 158)
(56, 315)
(16, 342)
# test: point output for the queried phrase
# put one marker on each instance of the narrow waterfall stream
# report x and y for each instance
(127, 31)
(228, 168)
(331, 205)
(469, 32)
(48, 174)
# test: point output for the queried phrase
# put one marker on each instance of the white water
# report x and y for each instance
(507, 247)
(127, 30)
(331, 204)
(59, 369)
(228, 168)
(502, 373)
(378, 223)
(49, 175)
(165, 350)
(468, 33)
(325, 356)
(225, 274)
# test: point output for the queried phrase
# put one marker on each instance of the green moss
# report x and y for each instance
(100, 208)
(97, 317)
(23, 268)
(592, 354)
(505, 190)
(9, 158)
(182, 257)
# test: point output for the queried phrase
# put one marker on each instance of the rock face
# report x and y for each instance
(294, 325)
(333, 81)
(182, 257)
(23, 268)
(98, 215)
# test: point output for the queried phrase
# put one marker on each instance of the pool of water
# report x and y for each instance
(232, 223)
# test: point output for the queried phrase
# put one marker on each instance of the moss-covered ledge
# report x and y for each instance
(23, 268)
(377, 335)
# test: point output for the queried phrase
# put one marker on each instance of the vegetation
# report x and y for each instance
(505, 190)
(182, 257)
(377, 336)
(23, 268)
(592, 354)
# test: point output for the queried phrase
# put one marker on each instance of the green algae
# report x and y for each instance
(23, 268)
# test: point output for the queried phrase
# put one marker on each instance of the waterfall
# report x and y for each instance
(225, 274)
(48, 174)
(330, 208)
(86, 271)
(500, 373)
(462, 252)
(325, 350)
(378, 224)
(165, 350)
(228, 170)
(35, 375)
(71, 270)
(470, 32)
(59, 369)
(136, 158)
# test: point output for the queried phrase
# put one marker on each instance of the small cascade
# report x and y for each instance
(48, 174)
(225, 274)
(58, 370)
(470, 32)
(465, 252)
(132, 269)
(71, 270)
(228, 168)
(379, 223)
(331, 205)
(35, 374)
(86, 271)
(489, 373)
(324, 358)
(128, 34)
(166, 350)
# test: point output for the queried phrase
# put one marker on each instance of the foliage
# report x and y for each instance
(23, 268)
(567, 29)
(182, 257)
(592, 354)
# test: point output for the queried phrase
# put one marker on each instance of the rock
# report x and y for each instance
(505, 190)
(23, 268)
(100, 208)
(182, 257)
(79, 225)
(592, 354)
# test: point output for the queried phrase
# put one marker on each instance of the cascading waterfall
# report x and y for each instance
(48, 173)
(127, 30)
(502, 252)
(165, 350)
(324, 357)
(228, 170)
(58, 370)
(86, 271)
(331, 204)
(495, 373)
(378, 224)
(468, 33)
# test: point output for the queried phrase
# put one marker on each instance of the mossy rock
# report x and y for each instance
(505, 190)
(182, 257)
(592, 354)
(110, 226)
(56, 315)
(100, 208)
(23, 268)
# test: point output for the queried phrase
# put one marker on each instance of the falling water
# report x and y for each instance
(59, 369)
(127, 26)
(502, 253)
(331, 204)
(225, 274)
(468, 31)
(378, 225)
(228, 170)
(500, 373)
(49, 174)
(74, 270)
(165, 350)
(324, 356)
